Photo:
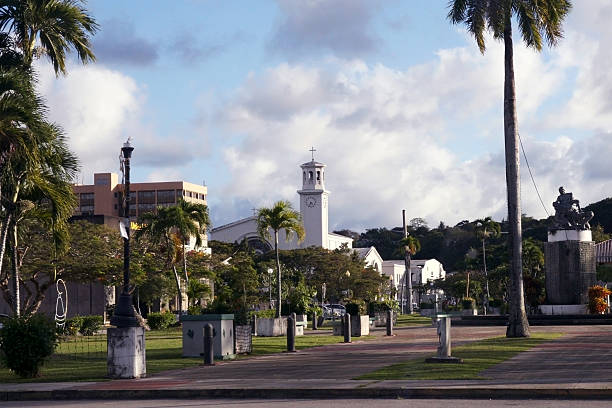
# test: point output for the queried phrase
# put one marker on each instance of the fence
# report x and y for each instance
(85, 348)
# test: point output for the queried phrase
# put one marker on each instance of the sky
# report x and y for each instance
(399, 104)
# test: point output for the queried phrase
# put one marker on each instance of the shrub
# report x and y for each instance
(495, 302)
(356, 308)
(160, 321)
(381, 306)
(26, 343)
(90, 325)
(426, 305)
(468, 303)
(314, 309)
(194, 310)
(262, 314)
(597, 302)
(73, 325)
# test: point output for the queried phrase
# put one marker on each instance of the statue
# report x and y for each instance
(568, 214)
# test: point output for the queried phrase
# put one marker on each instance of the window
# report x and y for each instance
(143, 208)
(310, 176)
(318, 176)
(165, 196)
(86, 203)
(304, 177)
(146, 197)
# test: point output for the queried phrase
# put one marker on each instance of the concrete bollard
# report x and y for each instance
(389, 322)
(291, 333)
(314, 321)
(347, 328)
(209, 356)
(254, 325)
(444, 346)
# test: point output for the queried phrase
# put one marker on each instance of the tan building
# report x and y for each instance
(101, 202)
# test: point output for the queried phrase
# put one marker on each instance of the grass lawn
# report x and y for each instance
(404, 320)
(476, 356)
(84, 358)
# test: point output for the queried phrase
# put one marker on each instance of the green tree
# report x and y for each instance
(281, 216)
(171, 227)
(49, 28)
(537, 20)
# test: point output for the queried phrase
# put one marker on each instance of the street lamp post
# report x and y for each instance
(270, 271)
(124, 315)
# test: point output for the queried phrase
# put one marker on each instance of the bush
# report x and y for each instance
(426, 305)
(495, 302)
(26, 343)
(73, 325)
(262, 314)
(356, 308)
(597, 302)
(468, 303)
(160, 321)
(382, 306)
(90, 325)
(194, 310)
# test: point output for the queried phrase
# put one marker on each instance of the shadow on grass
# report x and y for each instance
(477, 356)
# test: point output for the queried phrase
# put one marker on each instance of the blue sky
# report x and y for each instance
(399, 104)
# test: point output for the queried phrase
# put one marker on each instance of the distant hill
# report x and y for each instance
(603, 214)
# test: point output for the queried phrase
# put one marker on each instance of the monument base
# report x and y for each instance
(126, 352)
(563, 309)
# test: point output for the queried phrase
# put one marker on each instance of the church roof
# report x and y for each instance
(313, 163)
(231, 224)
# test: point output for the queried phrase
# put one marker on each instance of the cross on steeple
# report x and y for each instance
(312, 150)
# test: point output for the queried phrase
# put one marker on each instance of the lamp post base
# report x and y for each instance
(124, 315)
(126, 352)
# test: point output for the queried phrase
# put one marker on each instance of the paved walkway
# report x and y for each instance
(577, 361)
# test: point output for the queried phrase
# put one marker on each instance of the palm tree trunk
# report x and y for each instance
(15, 270)
(177, 278)
(518, 325)
(3, 235)
(485, 303)
(278, 269)
(408, 281)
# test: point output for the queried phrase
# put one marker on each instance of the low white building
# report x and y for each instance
(422, 271)
(371, 257)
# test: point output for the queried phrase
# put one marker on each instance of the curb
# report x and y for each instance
(309, 394)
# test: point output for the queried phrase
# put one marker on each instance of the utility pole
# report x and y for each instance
(407, 274)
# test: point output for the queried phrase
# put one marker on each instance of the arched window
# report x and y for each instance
(310, 175)
(304, 178)
(318, 176)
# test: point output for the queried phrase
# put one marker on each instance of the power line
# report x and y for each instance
(531, 175)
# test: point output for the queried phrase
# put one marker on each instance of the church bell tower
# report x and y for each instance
(313, 203)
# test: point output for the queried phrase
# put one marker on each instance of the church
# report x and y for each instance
(314, 200)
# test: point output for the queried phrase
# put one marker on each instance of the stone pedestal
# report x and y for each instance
(126, 352)
(570, 267)
(272, 327)
(360, 325)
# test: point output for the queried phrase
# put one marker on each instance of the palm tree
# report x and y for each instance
(39, 188)
(49, 28)
(281, 216)
(537, 19)
(486, 228)
(411, 246)
(172, 226)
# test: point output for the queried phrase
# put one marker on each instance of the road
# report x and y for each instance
(360, 403)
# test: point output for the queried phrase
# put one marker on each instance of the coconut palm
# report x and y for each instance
(38, 186)
(49, 28)
(486, 228)
(411, 246)
(281, 216)
(172, 227)
(538, 20)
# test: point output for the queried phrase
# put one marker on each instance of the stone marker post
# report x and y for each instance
(291, 333)
(444, 347)
(389, 322)
(314, 321)
(254, 325)
(347, 328)
(209, 358)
